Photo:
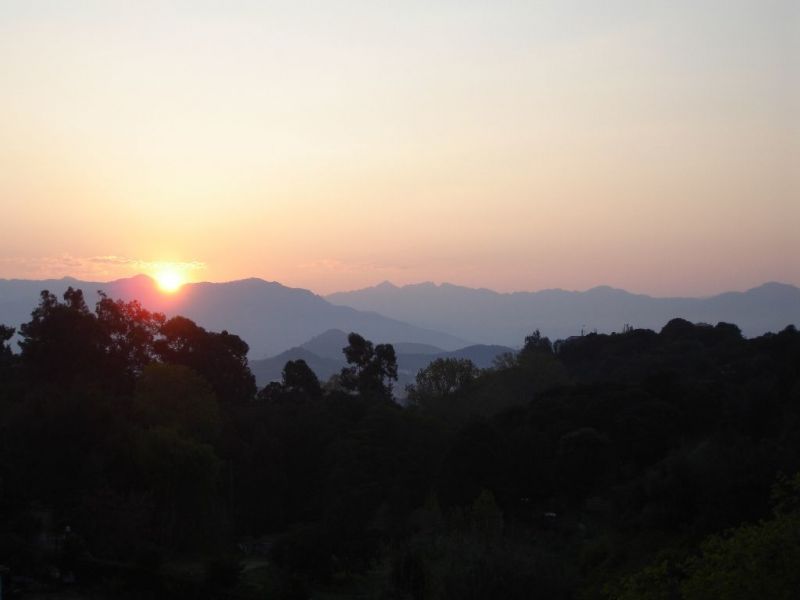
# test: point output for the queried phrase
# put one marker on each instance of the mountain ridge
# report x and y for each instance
(269, 316)
(388, 285)
(487, 316)
(272, 317)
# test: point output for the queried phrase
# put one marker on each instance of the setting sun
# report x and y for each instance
(169, 280)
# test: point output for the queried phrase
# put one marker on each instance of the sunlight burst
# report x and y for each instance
(169, 280)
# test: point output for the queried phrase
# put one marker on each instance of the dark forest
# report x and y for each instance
(138, 459)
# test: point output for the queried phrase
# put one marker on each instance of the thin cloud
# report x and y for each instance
(92, 267)
(146, 265)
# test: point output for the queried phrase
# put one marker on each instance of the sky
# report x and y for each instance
(515, 145)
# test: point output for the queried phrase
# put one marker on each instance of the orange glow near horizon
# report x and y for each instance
(516, 146)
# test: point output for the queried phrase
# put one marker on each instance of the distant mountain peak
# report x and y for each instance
(607, 290)
(329, 334)
(775, 286)
(140, 278)
(421, 285)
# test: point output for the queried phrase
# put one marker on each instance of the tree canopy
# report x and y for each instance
(638, 464)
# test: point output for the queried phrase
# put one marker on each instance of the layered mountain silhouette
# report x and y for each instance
(324, 355)
(486, 316)
(270, 317)
(421, 320)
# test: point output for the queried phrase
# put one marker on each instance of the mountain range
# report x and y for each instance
(270, 317)
(490, 317)
(420, 320)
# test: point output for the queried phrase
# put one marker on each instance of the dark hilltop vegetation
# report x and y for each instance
(139, 459)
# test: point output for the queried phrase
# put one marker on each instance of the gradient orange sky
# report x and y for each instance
(332, 145)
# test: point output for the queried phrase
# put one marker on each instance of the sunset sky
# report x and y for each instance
(516, 145)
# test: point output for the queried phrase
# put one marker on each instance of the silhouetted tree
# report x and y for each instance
(271, 392)
(220, 358)
(536, 342)
(373, 369)
(63, 341)
(6, 354)
(440, 379)
(298, 377)
(130, 331)
(6, 333)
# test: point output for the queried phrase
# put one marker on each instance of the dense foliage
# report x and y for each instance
(137, 456)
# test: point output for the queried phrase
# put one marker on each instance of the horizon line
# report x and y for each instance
(416, 284)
